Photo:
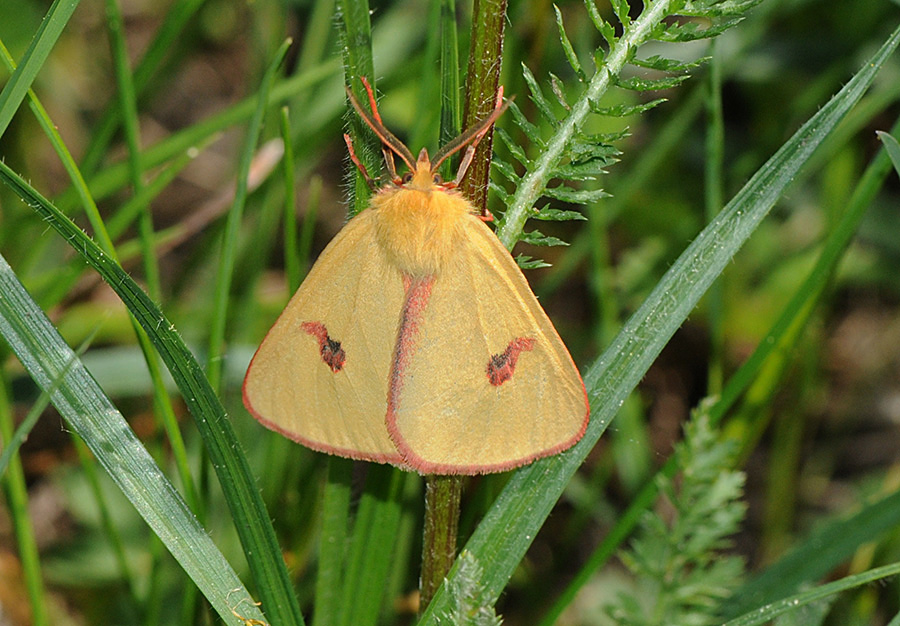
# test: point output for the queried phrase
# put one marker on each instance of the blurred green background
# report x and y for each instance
(824, 437)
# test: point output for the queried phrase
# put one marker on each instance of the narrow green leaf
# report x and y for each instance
(635, 83)
(767, 613)
(575, 196)
(514, 148)
(332, 542)
(892, 146)
(41, 44)
(537, 238)
(826, 546)
(692, 31)
(558, 215)
(537, 95)
(621, 9)
(89, 413)
(251, 519)
(371, 546)
(662, 64)
(582, 170)
(569, 51)
(530, 130)
(528, 263)
(624, 110)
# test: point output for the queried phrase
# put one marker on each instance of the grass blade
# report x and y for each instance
(57, 369)
(251, 519)
(44, 39)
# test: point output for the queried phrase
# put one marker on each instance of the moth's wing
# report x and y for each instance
(448, 415)
(356, 296)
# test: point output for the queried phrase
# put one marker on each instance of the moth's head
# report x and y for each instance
(424, 176)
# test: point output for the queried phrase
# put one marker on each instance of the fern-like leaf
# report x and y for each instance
(678, 562)
(570, 158)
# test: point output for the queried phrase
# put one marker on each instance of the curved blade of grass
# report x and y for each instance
(16, 495)
(250, 517)
(228, 253)
(57, 369)
(892, 146)
(520, 510)
(766, 613)
(44, 39)
(784, 332)
(824, 548)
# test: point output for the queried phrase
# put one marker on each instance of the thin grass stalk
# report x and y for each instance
(332, 542)
(33, 60)
(13, 482)
(291, 256)
(231, 236)
(714, 194)
(307, 228)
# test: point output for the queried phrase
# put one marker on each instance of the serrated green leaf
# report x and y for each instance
(464, 591)
(559, 91)
(531, 131)
(636, 83)
(597, 19)
(587, 148)
(575, 196)
(624, 110)
(692, 31)
(528, 263)
(505, 170)
(621, 9)
(663, 64)
(718, 9)
(500, 192)
(567, 46)
(537, 95)
(548, 214)
(513, 146)
(582, 170)
(537, 238)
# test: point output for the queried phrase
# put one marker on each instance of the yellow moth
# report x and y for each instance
(415, 339)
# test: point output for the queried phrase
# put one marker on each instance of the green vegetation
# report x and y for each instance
(699, 196)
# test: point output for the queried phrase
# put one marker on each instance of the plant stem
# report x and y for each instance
(482, 81)
(442, 494)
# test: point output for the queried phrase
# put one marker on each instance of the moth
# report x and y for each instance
(415, 339)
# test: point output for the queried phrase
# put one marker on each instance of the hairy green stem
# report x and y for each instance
(442, 495)
(482, 82)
